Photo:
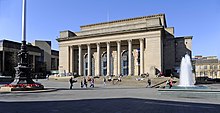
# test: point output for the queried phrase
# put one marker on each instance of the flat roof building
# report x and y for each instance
(38, 57)
(207, 66)
(131, 46)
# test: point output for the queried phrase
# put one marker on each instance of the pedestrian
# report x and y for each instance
(167, 82)
(36, 78)
(104, 81)
(71, 82)
(170, 83)
(92, 82)
(147, 75)
(47, 76)
(149, 82)
(81, 84)
(119, 79)
(85, 83)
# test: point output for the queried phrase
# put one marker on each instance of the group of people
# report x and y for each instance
(84, 82)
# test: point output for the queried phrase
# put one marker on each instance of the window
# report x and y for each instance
(205, 73)
(105, 63)
(205, 66)
(86, 65)
(215, 66)
(125, 63)
(201, 73)
(211, 67)
(201, 67)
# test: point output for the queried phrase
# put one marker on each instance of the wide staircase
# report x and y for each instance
(127, 81)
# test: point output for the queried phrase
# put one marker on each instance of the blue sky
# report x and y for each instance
(46, 18)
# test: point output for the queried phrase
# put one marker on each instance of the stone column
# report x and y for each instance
(68, 60)
(33, 63)
(119, 58)
(89, 60)
(129, 57)
(71, 59)
(80, 60)
(141, 56)
(108, 59)
(98, 60)
(3, 61)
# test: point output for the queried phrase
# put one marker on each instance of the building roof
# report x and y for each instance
(17, 45)
(55, 52)
(138, 24)
(206, 61)
(125, 20)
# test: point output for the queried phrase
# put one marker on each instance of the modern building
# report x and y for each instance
(207, 67)
(131, 46)
(50, 57)
(37, 54)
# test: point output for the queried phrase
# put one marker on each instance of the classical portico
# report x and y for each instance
(133, 46)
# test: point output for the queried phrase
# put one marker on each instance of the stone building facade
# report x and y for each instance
(207, 67)
(131, 46)
(9, 60)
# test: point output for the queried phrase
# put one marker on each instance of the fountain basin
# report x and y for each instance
(188, 87)
(191, 92)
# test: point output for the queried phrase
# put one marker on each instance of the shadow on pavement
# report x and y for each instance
(112, 105)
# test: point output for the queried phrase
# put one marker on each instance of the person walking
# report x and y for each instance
(85, 83)
(71, 82)
(92, 82)
(36, 77)
(81, 83)
(171, 83)
(104, 81)
(149, 82)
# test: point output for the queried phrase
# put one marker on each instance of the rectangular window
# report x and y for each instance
(205, 73)
(86, 72)
(201, 67)
(211, 67)
(125, 63)
(105, 71)
(104, 64)
(86, 66)
(201, 73)
(215, 67)
(205, 66)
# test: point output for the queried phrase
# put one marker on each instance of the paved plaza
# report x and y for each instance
(104, 99)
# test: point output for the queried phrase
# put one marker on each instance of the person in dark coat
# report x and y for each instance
(81, 83)
(71, 82)
(85, 82)
(149, 82)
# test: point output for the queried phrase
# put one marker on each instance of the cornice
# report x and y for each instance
(123, 20)
(110, 33)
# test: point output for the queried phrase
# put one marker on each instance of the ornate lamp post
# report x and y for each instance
(23, 78)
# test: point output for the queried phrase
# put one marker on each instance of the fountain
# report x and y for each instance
(187, 79)
(186, 87)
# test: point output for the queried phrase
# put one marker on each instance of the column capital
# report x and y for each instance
(98, 43)
(129, 40)
(108, 42)
(88, 45)
(119, 41)
(141, 39)
(79, 45)
(71, 46)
